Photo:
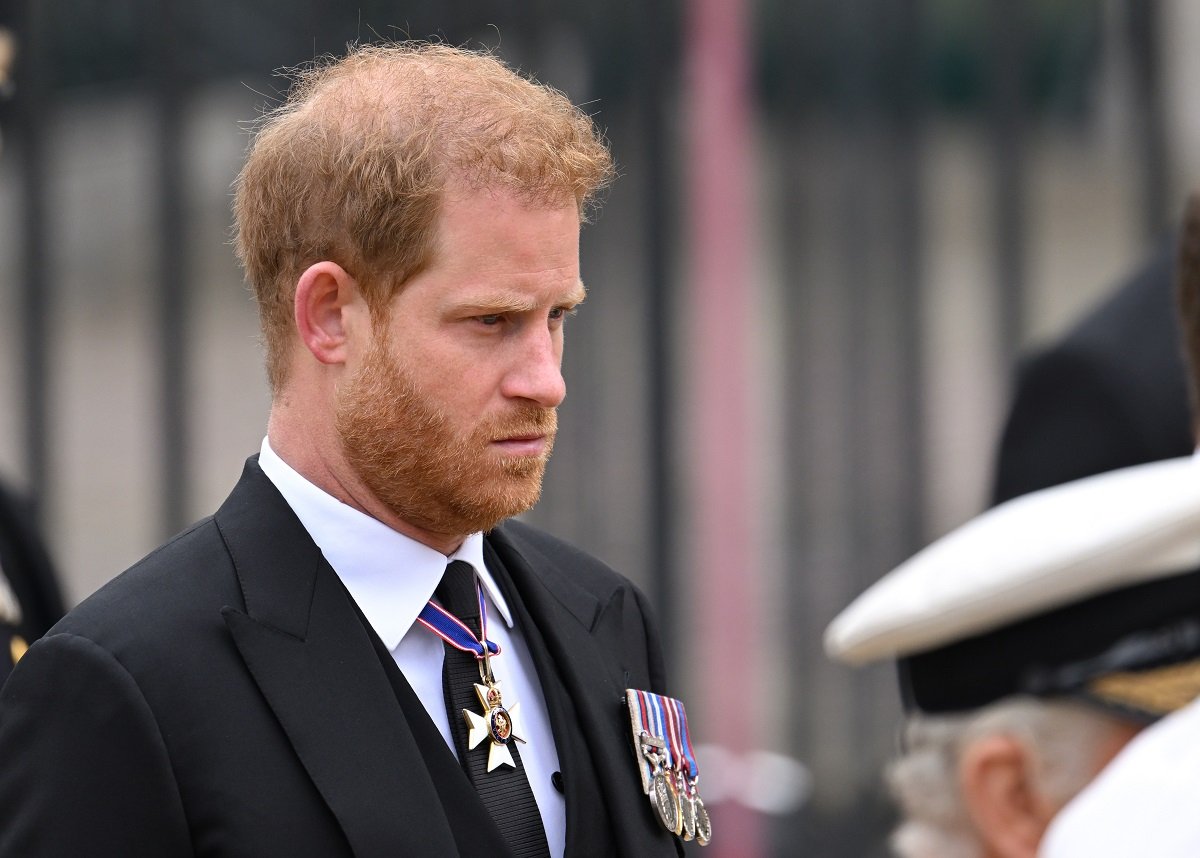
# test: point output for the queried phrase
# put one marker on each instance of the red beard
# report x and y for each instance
(410, 457)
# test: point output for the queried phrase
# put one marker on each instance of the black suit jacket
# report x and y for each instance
(1110, 394)
(224, 698)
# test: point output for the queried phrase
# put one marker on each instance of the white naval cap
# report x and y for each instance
(1087, 586)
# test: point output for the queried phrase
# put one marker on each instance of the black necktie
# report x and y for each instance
(505, 791)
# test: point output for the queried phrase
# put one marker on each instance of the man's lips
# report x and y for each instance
(522, 445)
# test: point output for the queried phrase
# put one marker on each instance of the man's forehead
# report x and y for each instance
(471, 216)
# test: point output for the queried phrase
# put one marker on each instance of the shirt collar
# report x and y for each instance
(391, 576)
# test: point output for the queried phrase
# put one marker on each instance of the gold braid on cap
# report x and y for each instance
(1157, 692)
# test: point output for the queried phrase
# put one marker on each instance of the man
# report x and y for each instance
(280, 679)
(1032, 644)
(1143, 803)
(1111, 393)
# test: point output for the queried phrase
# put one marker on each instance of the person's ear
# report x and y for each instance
(998, 778)
(326, 301)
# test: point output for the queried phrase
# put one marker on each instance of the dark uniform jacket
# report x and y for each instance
(224, 697)
(1110, 394)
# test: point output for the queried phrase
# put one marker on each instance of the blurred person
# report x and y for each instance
(30, 601)
(8, 59)
(1032, 643)
(359, 653)
(1108, 394)
(1143, 803)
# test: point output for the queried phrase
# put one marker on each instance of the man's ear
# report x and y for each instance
(997, 775)
(327, 299)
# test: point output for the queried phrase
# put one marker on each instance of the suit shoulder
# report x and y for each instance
(190, 573)
(587, 571)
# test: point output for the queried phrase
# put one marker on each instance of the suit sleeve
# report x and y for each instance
(83, 767)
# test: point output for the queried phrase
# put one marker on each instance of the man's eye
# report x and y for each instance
(494, 319)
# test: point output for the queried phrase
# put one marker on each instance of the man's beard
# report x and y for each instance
(408, 455)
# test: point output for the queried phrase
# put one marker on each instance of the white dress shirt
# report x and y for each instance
(391, 577)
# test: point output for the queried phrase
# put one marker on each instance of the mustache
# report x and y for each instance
(526, 421)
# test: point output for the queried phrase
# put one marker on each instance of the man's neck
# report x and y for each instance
(307, 453)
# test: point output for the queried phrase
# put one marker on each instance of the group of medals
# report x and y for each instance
(661, 741)
(667, 763)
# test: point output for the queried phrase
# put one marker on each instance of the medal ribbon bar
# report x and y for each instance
(667, 763)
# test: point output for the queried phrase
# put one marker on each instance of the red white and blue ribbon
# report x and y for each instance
(663, 718)
(680, 737)
(662, 745)
(454, 632)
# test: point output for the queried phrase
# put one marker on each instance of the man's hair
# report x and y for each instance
(352, 167)
(1064, 737)
(1188, 293)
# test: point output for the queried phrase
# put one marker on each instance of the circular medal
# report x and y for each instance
(499, 725)
(666, 803)
(703, 824)
(687, 807)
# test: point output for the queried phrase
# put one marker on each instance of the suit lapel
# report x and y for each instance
(565, 615)
(316, 667)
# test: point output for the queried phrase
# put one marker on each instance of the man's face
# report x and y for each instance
(449, 418)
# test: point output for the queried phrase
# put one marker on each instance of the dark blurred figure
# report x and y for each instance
(1144, 803)
(1110, 394)
(30, 601)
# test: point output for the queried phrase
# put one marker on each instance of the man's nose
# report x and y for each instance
(536, 372)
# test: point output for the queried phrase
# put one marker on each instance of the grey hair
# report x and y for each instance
(1065, 738)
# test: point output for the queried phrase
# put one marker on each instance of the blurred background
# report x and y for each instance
(839, 223)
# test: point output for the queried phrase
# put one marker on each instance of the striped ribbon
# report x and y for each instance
(665, 718)
(452, 630)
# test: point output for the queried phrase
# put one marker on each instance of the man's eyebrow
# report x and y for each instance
(518, 302)
(576, 295)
